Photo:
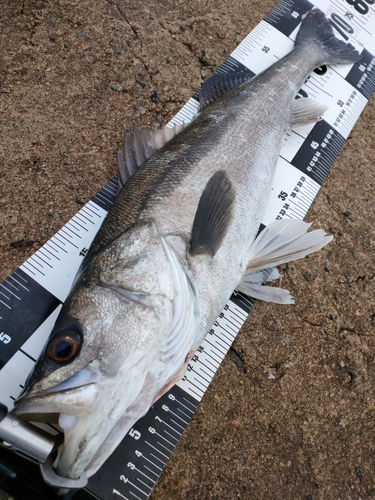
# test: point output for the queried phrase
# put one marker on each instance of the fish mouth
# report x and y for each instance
(46, 406)
(57, 405)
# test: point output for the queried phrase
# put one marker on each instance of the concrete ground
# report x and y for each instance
(72, 74)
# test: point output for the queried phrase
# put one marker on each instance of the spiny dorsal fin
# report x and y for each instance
(218, 85)
(214, 214)
(139, 146)
(305, 111)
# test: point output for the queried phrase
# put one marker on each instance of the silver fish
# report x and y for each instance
(181, 236)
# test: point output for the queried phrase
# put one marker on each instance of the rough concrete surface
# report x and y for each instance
(294, 418)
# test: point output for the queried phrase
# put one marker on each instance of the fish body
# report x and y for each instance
(182, 234)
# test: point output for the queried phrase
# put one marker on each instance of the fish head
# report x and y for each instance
(100, 368)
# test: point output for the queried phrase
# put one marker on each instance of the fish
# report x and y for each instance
(183, 233)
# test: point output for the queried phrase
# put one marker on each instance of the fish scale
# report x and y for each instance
(300, 183)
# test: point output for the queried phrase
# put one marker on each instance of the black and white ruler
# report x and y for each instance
(31, 297)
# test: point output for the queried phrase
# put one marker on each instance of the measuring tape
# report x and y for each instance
(31, 297)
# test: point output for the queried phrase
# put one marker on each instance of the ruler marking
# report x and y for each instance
(228, 336)
(6, 305)
(176, 423)
(231, 322)
(199, 396)
(214, 366)
(191, 404)
(37, 256)
(30, 264)
(75, 246)
(173, 437)
(151, 462)
(28, 355)
(52, 241)
(81, 216)
(69, 228)
(80, 225)
(172, 428)
(163, 446)
(10, 291)
(132, 493)
(198, 388)
(90, 209)
(136, 487)
(140, 480)
(161, 453)
(212, 356)
(44, 248)
(221, 342)
(208, 374)
(201, 376)
(115, 492)
(215, 347)
(11, 284)
(20, 284)
(180, 418)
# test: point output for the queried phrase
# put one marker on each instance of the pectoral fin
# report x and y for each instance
(213, 216)
(306, 111)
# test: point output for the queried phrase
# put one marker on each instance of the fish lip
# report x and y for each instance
(76, 401)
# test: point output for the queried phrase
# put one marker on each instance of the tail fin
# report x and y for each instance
(317, 30)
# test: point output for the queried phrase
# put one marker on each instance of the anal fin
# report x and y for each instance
(251, 285)
(305, 111)
(214, 214)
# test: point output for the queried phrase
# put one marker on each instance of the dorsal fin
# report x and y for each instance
(214, 214)
(220, 84)
(140, 145)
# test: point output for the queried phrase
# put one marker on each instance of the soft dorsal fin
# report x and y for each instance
(139, 146)
(214, 214)
(220, 84)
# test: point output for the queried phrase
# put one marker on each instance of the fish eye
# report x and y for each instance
(64, 346)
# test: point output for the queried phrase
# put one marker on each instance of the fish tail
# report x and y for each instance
(317, 31)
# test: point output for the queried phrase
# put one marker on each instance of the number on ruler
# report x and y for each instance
(134, 434)
(361, 6)
(4, 338)
(341, 25)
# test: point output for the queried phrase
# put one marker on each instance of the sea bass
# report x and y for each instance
(180, 237)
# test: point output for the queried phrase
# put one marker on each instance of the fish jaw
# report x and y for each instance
(78, 401)
(88, 414)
